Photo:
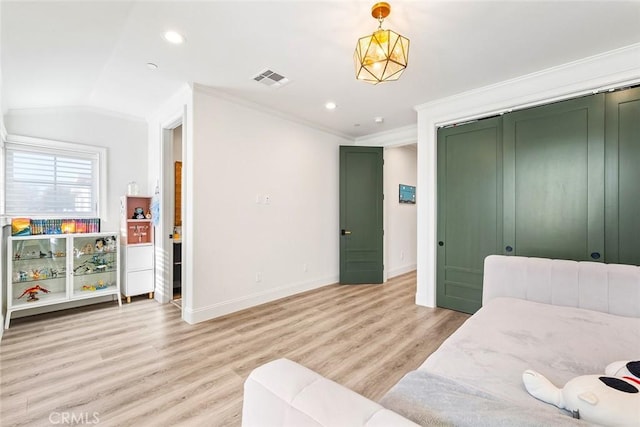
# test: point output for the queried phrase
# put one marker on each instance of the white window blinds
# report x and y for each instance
(43, 181)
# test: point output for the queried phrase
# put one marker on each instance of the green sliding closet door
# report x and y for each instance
(554, 180)
(469, 210)
(623, 177)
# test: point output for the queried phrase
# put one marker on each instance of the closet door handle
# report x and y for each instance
(508, 249)
(595, 255)
(345, 232)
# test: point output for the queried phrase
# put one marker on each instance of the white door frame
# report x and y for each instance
(165, 226)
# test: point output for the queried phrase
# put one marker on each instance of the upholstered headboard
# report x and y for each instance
(610, 288)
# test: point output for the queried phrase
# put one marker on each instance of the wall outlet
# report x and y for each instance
(401, 254)
(258, 277)
(267, 199)
(304, 267)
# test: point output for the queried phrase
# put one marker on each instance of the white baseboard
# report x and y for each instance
(231, 306)
(160, 296)
(400, 270)
(1, 327)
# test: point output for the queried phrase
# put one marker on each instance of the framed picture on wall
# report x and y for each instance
(407, 194)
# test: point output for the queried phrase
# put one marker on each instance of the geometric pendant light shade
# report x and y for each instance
(383, 55)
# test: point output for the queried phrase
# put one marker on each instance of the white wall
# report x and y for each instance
(124, 137)
(400, 167)
(265, 207)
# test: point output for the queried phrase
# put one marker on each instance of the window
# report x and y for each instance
(50, 178)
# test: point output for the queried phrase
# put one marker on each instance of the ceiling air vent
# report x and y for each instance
(271, 78)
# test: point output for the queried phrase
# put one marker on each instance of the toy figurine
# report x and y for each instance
(111, 243)
(99, 262)
(87, 249)
(100, 245)
(138, 213)
(22, 276)
(33, 292)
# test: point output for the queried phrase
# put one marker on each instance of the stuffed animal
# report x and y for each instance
(138, 213)
(87, 249)
(111, 243)
(100, 245)
(612, 399)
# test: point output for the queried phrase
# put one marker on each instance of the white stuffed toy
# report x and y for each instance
(611, 400)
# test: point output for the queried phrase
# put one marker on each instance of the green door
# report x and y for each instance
(469, 210)
(361, 201)
(554, 180)
(623, 177)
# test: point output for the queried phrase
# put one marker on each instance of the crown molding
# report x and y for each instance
(208, 90)
(609, 70)
(400, 136)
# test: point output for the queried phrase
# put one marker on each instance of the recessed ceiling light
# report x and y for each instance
(174, 37)
(330, 105)
(152, 66)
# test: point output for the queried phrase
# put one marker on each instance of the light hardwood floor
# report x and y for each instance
(142, 365)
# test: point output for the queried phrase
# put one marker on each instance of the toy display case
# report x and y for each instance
(95, 266)
(37, 272)
(45, 270)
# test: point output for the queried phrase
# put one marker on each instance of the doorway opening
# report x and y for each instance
(400, 214)
(177, 213)
(171, 283)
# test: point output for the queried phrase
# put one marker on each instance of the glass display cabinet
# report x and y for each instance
(95, 266)
(51, 269)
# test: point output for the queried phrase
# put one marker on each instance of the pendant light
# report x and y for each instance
(383, 55)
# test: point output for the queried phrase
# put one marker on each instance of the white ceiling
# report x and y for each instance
(93, 53)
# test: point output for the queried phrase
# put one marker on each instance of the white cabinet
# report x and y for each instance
(137, 270)
(44, 270)
(136, 238)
